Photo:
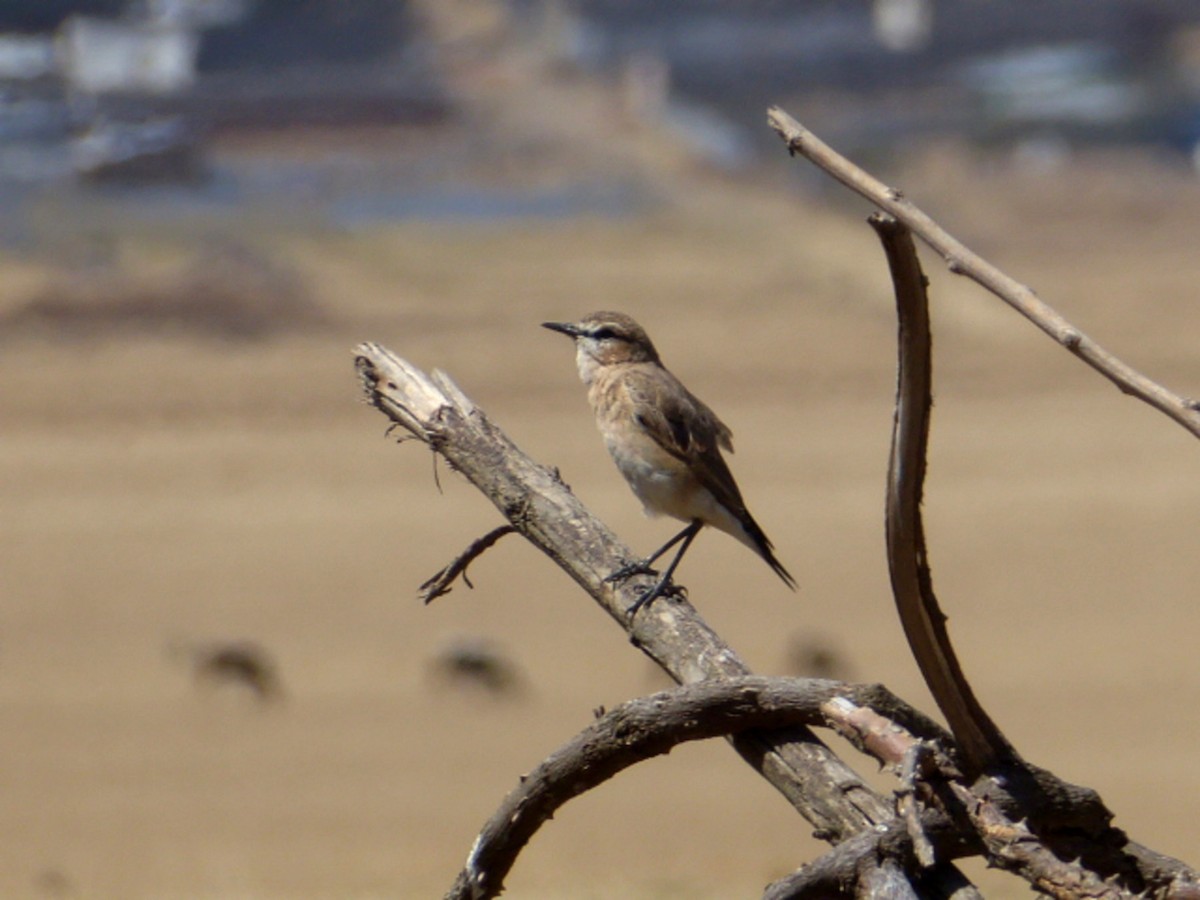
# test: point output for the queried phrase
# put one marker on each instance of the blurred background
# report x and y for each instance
(216, 679)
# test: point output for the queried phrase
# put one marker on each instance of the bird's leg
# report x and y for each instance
(663, 585)
(642, 566)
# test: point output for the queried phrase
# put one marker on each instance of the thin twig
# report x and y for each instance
(896, 749)
(440, 582)
(871, 732)
(916, 758)
(1012, 846)
(963, 261)
(979, 740)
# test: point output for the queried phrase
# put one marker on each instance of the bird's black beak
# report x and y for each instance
(571, 331)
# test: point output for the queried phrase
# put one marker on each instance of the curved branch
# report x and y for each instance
(1064, 821)
(651, 726)
(981, 743)
(963, 261)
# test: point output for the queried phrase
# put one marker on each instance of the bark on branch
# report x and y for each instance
(979, 740)
(1054, 834)
(962, 261)
(542, 508)
(1029, 820)
(538, 504)
(651, 726)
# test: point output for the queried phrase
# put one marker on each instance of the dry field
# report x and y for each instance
(170, 480)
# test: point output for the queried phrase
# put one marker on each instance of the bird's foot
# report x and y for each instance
(664, 587)
(640, 567)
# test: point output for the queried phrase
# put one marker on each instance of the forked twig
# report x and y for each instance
(962, 261)
(440, 582)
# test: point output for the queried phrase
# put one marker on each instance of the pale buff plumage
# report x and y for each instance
(665, 441)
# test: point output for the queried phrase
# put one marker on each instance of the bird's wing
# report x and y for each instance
(687, 429)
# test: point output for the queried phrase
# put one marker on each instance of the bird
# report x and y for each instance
(664, 440)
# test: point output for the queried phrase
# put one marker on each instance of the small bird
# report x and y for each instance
(665, 441)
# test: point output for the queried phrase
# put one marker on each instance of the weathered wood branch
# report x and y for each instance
(838, 872)
(538, 504)
(542, 508)
(1055, 835)
(1050, 815)
(651, 726)
(963, 261)
(979, 740)
(1010, 844)
(439, 583)
(1030, 820)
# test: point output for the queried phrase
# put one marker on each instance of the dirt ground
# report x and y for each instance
(166, 485)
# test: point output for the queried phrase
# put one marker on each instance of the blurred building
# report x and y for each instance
(114, 89)
(1105, 70)
(1058, 72)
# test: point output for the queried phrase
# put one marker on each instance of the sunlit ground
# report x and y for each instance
(181, 471)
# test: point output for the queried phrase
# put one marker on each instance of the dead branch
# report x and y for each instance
(439, 583)
(979, 740)
(543, 509)
(1054, 834)
(982, 746)
(651, 726)
(1046, 808)
(917, 759)
(962, 261)
(838, 873)
(1057, 821)
(1010, 844)
(887, 881)
(1013, 846)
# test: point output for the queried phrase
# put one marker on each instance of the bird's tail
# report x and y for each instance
(761, 544)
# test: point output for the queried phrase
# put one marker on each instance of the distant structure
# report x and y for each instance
(129, 89)
(903, 26)
(1104, 71)
(112, 56)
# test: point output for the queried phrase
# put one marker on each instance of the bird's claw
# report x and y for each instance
(661, 589)
(640, 567)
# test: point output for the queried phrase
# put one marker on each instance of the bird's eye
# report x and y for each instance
(604, 334)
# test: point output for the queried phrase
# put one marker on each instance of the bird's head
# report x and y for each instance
(605, 339)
